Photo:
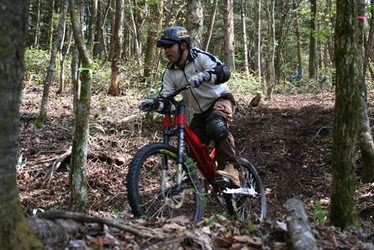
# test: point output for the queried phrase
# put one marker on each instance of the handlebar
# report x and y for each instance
(176, 92)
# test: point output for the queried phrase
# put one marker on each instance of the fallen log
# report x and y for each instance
(136, 230)
(55, 227)
(53, 232)
(298, 226)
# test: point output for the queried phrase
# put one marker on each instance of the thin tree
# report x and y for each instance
(298, 39)
(52, 65)
(257, 40)
(117, 48)
(229, 41)
(50, 26)
(245, 47)
(154, 30)
(270, 72)
(212, 18)
(347, 104)
(78, 187)
(14, 232)
(313, 59)
(365, 138)
(37, 23)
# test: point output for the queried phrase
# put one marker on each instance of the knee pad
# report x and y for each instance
(216, 128)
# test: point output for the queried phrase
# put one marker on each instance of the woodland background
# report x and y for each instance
(108, 48)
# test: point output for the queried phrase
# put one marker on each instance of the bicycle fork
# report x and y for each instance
(174, 196)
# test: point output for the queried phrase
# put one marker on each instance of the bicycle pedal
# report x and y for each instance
(222, 182)
(240, 191)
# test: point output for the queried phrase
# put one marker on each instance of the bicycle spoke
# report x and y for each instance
(150, 196)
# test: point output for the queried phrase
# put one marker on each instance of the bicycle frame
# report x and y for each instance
(198, 150)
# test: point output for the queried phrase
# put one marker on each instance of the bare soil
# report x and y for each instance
(288, 139)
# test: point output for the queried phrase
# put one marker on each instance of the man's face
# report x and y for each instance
(171, 51)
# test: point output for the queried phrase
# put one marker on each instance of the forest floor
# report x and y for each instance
(288, 139)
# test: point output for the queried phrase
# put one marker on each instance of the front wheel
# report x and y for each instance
(246, 207)
(153, 193)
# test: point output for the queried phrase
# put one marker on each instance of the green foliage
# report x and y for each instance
(36, 64)
(209, 222)
(240, 84)
(328, 177)
(319, 215)
(250, 227)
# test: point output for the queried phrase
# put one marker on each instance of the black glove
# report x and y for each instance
(149, 105)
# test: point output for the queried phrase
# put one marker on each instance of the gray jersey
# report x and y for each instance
(201, 98)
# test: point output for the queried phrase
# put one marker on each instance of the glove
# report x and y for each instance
(199, 78)
(149, 105)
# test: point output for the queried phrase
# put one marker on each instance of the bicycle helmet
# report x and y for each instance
(174, 34)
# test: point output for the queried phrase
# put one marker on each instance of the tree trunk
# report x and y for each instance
(229, 41)
(154, 29)
(365, 138)
(212, 19)
(52, 64)
(51, 8)
(194, 22)
(298, 40)
(257, 40)
(245, 47)
(92, 6)
(37, 24)
(117, 48)
(313, 65)
(64, 51)
(281, 34)
(347, 104)
(14, 233)
(98, 37)
(270, 72)
(79, 197)
(135, 26)
(195, 17)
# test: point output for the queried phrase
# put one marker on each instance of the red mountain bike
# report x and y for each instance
(163, 181)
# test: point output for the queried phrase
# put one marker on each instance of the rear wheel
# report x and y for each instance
(246, 207)
(153, 196)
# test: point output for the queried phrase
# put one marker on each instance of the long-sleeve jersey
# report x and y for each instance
(201, 98)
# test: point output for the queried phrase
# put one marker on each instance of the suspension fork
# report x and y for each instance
(179, 122)
(180, 119)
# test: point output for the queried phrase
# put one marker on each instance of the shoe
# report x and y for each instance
(231, 173)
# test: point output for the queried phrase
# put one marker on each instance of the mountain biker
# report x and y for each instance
(210, 97)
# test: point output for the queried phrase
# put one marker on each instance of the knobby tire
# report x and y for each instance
(145, 196)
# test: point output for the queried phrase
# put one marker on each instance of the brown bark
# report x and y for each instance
(298, 38)
(270, 72)
(347, 104)
(195, 22)
(14, 233)
(79, 197)
(212, 19)
(52, 65)
(229, 42)
(365, 138)
(117, 48)
(313, 65)
(151, 56)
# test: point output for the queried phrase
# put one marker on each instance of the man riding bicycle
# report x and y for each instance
(210, 97)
